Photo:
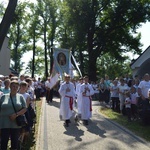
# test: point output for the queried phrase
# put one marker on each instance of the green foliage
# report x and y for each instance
(109, 65)
(1, 10)
(48, 22)
(105, 26)
(39, 64)
(18, 36)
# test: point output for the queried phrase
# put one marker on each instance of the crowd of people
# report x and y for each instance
(128, 96)
(16, 99)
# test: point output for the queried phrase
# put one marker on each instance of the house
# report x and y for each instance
(5, 58)
(141, 65)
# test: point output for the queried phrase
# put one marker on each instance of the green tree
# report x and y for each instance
(47, 14)
(105, 26)
(18, 36)
(38, 63)
(112, 67)
(34, 35)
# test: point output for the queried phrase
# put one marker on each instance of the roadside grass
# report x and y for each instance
(136, 127)
(31, 141)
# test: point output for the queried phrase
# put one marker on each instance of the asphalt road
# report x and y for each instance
(100, 134)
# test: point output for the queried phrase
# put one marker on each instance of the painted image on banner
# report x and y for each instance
(61, 58)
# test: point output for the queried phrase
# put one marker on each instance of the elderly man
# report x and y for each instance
(67, 93)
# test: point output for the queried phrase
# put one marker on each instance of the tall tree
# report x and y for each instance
(52, 29)
(47, 15)
(33, 34)
(106, 26)
(7, 20)
(18, 36)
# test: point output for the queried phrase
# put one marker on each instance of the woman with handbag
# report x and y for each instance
(11, 106)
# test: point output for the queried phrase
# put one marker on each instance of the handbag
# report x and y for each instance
(32, 112)
(21, 119)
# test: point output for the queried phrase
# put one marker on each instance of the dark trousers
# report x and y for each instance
(107, 96)
(128, 112)
(134, 110)
(37, 93)
(115, 103)
(13, 133)
(49, 95)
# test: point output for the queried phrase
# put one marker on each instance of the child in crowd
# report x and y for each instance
(128, 105)
(134, 102)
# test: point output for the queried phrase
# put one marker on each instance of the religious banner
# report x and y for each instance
(62, 60)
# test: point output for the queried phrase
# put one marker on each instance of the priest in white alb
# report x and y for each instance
(67, 93)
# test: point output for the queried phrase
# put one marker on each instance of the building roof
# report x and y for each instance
(141, 59)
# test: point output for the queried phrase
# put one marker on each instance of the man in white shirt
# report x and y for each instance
(143, 91)
(49, 90)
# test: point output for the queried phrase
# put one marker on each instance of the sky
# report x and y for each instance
(145, 37)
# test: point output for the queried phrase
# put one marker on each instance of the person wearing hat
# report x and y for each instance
(86, 91)
(67, 93)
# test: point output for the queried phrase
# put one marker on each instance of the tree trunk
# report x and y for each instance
(16, 58)
(92, 56)
(92, 69)
(7, 20)
(33, 60)
(50, 50)
(51, 60)
(45, 49)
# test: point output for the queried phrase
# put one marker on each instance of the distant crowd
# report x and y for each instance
(126, 95)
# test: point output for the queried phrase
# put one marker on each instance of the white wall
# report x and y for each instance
(5, 58)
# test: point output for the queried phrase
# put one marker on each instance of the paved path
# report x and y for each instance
(100, 134)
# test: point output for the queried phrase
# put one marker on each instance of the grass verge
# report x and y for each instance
(31, 141)
(134, 126)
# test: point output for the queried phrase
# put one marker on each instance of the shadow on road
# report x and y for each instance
(75, 132)
(55, 104)
(94, 129)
